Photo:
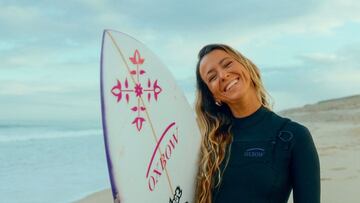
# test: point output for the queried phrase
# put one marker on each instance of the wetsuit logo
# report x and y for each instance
(254, 152)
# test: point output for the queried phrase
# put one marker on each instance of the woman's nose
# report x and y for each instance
(224, 75)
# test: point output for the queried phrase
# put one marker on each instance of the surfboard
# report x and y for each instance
(151, 138)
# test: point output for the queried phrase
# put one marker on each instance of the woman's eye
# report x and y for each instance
(213, 77)
(228, 64)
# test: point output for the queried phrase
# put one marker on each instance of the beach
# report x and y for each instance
(335, 128)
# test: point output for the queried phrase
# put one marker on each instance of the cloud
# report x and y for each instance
(60, 20)
(322, 58)
(8, 88)
(44, 102)
(167, 27)
(198, 15)
(16, 16)
(320, 76)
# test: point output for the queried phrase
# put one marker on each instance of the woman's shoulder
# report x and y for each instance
(299, 131)
(301, 134)
(297, 127)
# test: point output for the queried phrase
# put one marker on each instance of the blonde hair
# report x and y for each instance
(215, 124)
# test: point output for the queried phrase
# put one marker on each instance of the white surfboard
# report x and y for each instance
(151, 137)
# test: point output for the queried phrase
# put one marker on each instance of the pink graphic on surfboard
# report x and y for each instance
(154, 88)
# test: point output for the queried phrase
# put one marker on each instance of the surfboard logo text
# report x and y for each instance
(156, 167)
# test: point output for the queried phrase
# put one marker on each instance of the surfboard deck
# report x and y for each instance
(152, 141)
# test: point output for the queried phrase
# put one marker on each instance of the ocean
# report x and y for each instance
(41, 163)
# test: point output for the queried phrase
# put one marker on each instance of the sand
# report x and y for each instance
(335, 127)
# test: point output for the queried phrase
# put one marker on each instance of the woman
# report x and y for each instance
(248, 153)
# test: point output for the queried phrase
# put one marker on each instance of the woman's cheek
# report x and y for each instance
(212, 88)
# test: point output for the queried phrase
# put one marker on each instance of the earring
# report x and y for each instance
(218, 103)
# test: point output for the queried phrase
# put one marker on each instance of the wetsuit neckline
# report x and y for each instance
(251, 119)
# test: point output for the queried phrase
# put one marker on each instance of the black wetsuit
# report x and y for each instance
(270, 155)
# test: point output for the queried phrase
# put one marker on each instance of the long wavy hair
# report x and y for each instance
(215, 124)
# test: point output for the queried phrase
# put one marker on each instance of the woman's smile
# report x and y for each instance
(231, 84)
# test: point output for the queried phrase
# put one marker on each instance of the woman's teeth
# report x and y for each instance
(232, 83)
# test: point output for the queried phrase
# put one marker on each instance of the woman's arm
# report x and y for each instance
(305, 167)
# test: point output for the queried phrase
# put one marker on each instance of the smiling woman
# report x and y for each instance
(248, 153)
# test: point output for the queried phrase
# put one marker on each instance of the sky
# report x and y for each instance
(306, 50)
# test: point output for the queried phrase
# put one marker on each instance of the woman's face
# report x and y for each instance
(227, 79)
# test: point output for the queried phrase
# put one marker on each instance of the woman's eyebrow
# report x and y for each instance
(220, 62)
